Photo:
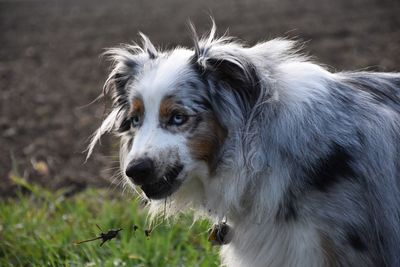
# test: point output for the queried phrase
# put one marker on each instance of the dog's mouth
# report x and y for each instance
(165, 186)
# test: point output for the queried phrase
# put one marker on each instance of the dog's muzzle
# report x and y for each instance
(142, 172)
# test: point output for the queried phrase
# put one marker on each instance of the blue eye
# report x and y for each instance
(135, 120)
(178, 119)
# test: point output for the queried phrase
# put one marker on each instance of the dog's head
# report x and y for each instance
(175, 110)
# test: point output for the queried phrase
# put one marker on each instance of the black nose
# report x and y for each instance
(141, 171)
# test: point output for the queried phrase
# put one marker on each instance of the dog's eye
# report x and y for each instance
(135, 120)
(177, 119)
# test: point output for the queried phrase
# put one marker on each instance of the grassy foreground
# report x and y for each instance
(40, 228)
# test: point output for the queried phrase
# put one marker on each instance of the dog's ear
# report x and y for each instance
(127, 62)
(233, 83)
(230, 75)
(125, 68)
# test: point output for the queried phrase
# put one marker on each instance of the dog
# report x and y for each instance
(302, 164)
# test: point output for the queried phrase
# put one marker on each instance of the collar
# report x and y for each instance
(220, 234)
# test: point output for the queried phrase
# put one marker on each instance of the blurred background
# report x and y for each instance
(51, 69)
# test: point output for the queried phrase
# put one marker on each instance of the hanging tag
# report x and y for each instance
(218, 234)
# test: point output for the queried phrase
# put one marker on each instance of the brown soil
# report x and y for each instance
(50, 67)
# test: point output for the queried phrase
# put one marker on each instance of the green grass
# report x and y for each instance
(40, 228)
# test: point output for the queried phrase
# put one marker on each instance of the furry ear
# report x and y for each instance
(235, 77)
(233, 82)
(125, 66)
(127, 62)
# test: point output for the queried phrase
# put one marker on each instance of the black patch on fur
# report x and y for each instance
(323, 175)
(330, 170)
(120, 80)
(291, 212)
(356, 241)
(288, 210)
(125, 125)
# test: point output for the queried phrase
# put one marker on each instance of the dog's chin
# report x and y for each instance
(166, 185)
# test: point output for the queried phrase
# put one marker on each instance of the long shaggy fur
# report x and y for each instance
(308, 173)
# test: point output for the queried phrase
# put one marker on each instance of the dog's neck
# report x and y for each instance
(253, 225)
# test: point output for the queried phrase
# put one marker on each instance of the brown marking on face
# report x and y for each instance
(168, 107)
(328, 248)
(207, 140)
(137, 106)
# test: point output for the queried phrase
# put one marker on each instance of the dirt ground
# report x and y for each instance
(50, 67)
